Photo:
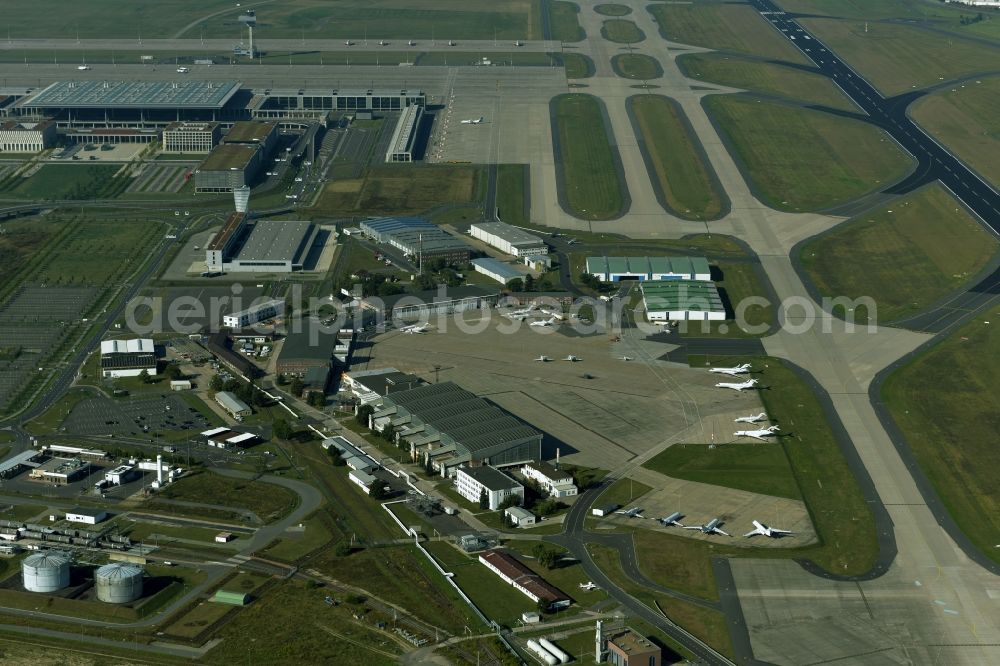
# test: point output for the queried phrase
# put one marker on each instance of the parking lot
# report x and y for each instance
(134, 417)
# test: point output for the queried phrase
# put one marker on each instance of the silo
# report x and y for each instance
(118, 583)
(45, 571)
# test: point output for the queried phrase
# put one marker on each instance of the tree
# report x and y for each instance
(342, 549)
(377, 491)
(388, 432)
(296, 387)
(484, 499)
(529, 283)
(364, 411)
(590, 280)
(282, 380)
(282, 429)
(173, 371)
(316, 399)
(546, 556)
(144, 377)
(336, 459)
(429, 467)
(516, 285)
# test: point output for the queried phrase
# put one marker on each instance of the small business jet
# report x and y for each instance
(764, 530)
(751, 419)
(382, 42)
(473, 121)
(626, 358)
(760, 434)
(589, 586)
(741, 369)
(518, 43)
(416, 328)
(634, 512)
(348, 43)
(750, 383)
(543, 322)
(183, 70)
(451, 42)
(672, 519)
(411, 43)
(572, 359)
(711, 527)
(543, 359)
(552, 313)
(83, 68)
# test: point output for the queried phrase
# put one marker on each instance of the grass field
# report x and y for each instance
(764, 77)
(390, 190)
(740, 280)
(511, 193)
(622, 492)
(759, 467)
(612, 9)
(963, 120)
(678, 165)
(578, 66)
(590, 179)
(622, 31)
(317, 533)
(565, 22)
(67, 181)
(799, 159)
(267, 500)
(68, 19)
(945, 403)
(22, 239)
(495, 598)
(725, 27)
(636, 66)
(897, 58)
(905, 255)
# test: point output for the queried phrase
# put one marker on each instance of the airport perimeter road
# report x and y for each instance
(934, 161)
(357, 43)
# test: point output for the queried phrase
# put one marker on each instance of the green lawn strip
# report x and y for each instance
(758, 467)
(390, 190)
(589, 178)
(567, 575)
(612, 9)
(725, 27)
(622, 492)
(578, 66)
(708, 625)
(905, 255)
(495, 598)
(315, 535)
(511, 193)
(944, 403)
(962, 119)
(636, 66)
(404, 576)
(799, 159)
(622, 31)
(564, 21)
(764, 77)
(678, 163)
(901, 57)
(267, 500)
(67, 181)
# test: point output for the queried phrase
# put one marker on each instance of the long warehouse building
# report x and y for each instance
(452, 427)
(404, 138)
(613, 269)
(508, 239)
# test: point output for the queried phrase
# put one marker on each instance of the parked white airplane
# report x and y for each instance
(348, 43)
(382, 42)
(751, 419)
(515, 315)
(411, 43)
(473, 121)
(83, 68)
(634, 512)
(588, 586)
(750, 383)
(552, 313)
(519, 43)
(711, 527)
(544, 322)
(758, 434)
(572, 359)
(672, 519)
(543, 359)
(626, 358)
(741, 369)
(416, 328)
(764, 530)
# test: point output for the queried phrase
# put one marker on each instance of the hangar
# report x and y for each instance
(509, 239)
(682, 300)
(261, 246)
(452, 427)
(613, 269)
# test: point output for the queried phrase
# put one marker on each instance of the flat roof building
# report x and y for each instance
(17, 463)
(613, 269)
(61, 471)
(496, 270)
(229, 166)
(262, 133)
(682, 300)
(127, 358)
(308, 348)
(508, 239)
(431, 244)
(404, 137)
(629, 648)
(190, 137)
(369, 386)
(26, 136)
(254, 314)
(86, 516)
(380, 229)
(263, 246)
(442, 301)
(472, 482)
(189, 93)
(453, 427)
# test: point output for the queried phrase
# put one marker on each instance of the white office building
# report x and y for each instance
(551, 480)
(509, 239)
(26, 137)
(470, 482)
(254, 314)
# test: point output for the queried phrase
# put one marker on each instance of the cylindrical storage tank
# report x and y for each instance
(556, 652)
(45, 572)
(542, 653)
(118, 583)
